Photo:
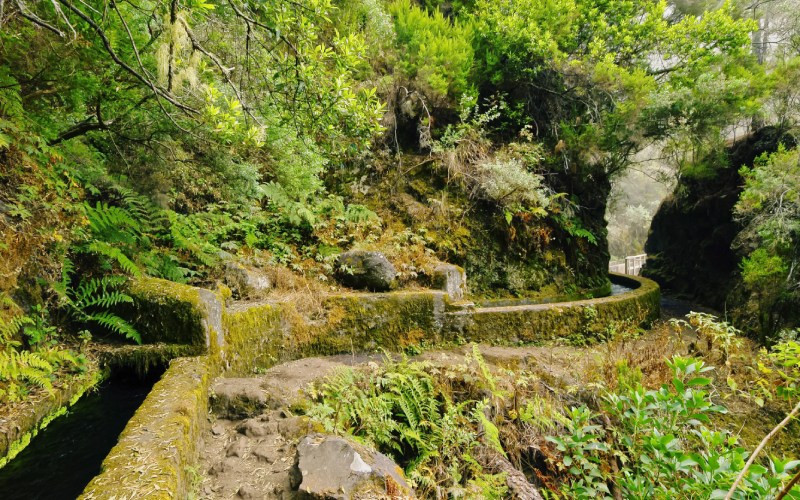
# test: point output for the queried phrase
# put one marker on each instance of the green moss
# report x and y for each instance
(263, 335)
(141, 359)
(173, 313)
(543, 322)
(389, 321)
(255, 338)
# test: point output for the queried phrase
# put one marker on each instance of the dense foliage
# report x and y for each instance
(446, 425)
(169, 138)
(769, 209)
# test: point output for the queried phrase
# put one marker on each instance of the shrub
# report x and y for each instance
(664, 443)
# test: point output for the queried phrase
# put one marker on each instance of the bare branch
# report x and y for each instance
(30, 16)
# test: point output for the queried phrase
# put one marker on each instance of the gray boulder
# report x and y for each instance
(365, 270)
(333, 467)
(451, 279)
(246, 282)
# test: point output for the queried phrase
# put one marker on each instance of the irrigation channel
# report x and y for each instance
(66, 455)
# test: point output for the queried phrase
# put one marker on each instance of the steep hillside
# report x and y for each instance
(692, 250)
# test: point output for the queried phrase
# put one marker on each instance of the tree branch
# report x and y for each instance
(760, 447)
(110, 50)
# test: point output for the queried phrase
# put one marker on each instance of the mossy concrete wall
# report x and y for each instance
(248, 337)
(155, 453)
(543, 322)
(259, 336)
(392, 321)
(168, 312)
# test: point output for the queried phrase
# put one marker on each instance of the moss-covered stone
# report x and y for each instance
(542, 322)
(141, 359)
(159, 442)
(389, 321)
(173, 313)
(255, 337)
(259, 336)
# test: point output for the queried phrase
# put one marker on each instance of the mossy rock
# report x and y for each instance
(172, 313)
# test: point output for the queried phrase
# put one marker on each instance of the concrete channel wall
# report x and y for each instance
(156, 451)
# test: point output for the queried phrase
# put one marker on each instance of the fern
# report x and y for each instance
(111, 223)
(490, 432)
(91, 300)
(184, 231)
(116, 324)
(113, 253)
(18, 369)
(483, 367)
(573, 227)
(24, 366)
(147, 214)
(10, 328)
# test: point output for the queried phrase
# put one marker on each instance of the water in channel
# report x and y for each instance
(66, 455)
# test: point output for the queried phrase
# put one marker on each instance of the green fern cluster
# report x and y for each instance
(92, 300)
(402, 411)
(134, 236)
(20, 368)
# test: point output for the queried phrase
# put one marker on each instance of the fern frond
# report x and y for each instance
(10, 327)
(110, 220)
(28, 366)
(61, 357)
(110, 299)
(62, 287)
(116, 324)
(99, 292)
(105, 249)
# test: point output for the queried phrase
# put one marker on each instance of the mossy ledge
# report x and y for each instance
(157, 449)
(542, 322)
(247, 337)
(21, 422)
(172, 313)
(258, 336)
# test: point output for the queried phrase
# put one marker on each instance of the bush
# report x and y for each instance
(404, 411)
(665, 444)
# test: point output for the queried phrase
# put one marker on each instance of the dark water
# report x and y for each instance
(67, 454)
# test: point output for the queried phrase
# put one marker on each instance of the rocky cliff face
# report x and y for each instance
(527, 255)
(689, 245)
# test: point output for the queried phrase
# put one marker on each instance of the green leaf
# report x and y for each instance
(699, 381)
